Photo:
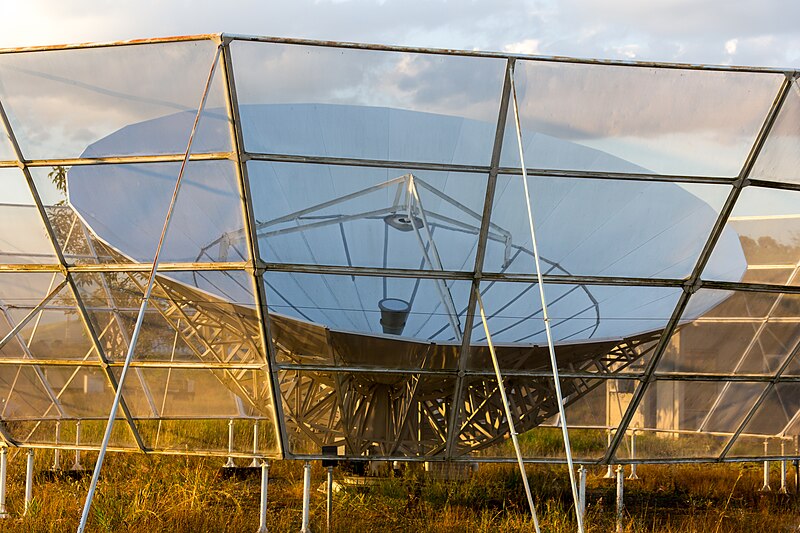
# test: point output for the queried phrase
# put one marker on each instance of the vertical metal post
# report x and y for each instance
(29, 480)
(633, 456)
(3, 476)
(610, 469)
(620, 501)
(306, 496)
(77, 465)
(254, 462)
(112, 416)
(783, 490)
(796, 465)
(229, 463)
(796, 476)
(509, 417)
(582, 490)
(56, 451)
(262, 510)
(329, 502)
(766, 487)
(545, 316)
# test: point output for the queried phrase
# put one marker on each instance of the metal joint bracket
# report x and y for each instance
(690, 287)
(741, 182)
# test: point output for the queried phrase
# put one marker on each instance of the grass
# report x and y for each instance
(169, 493)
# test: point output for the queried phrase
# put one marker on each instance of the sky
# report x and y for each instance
(741, 32)
(715, 129)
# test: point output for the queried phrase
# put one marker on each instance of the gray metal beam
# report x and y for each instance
(118, 160)
(483, 169)
(480, 253)
(237, 139)
(499, 55)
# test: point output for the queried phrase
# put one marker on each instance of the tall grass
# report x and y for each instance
(160, 493)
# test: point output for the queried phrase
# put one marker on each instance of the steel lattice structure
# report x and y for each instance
(323, 180)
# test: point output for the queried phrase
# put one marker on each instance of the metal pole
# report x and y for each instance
(229, 463)
(329, 508)
(633, 456)
(766, 487)
(57, 451)
(146, 297)
(254, 462)
(3, 475)
(582, 490)
(29, 481)
(306, 496)
(783, 490)
(262, 510)
(509, 418)
(610, 469)
(620, 502)
(77, 465)
(545, 317)
(796, 477)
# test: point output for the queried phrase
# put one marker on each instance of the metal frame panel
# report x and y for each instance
(252, 241)
(693, 283)
(256, 266)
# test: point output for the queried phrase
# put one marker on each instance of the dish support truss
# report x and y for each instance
(237, 345)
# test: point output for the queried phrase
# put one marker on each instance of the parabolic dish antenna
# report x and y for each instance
(344, 216)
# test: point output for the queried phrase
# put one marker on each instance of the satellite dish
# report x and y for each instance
(385, 218)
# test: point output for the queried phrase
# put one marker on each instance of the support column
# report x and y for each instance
(3, 476)
(29, 480)
(77, 465)
(229, 463)
(56, 451)
(766, 487)
(783, 490)
(633, 456)
(610, 469)
(582, 491)
(306, 496)
(329, 502)
(796, 476)
(620, 501)
(254, 462)
(262, 510)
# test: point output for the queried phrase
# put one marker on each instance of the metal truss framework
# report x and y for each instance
(239, 347)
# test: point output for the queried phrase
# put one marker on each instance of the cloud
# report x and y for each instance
(583, 104)
(666, 30)
(528, 46)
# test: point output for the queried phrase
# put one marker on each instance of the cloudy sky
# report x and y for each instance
(707, 31)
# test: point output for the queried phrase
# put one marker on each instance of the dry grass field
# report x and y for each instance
(157, 493)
